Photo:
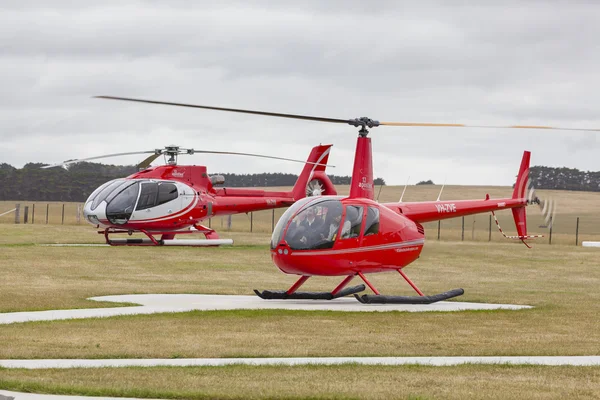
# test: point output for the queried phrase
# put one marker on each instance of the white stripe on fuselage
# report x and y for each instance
(312, 171)
(395, 245)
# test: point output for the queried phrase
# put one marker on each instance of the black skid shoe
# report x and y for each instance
(381, 299)
(282, 294)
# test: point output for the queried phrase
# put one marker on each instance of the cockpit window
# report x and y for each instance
(166, 193)
(154, 194)
(352, 222)
(119, 209)
(124, 184)
(96, 192)
(148, 195)
(372, 223)
(278, 231)
(104, 193)
(316, 226)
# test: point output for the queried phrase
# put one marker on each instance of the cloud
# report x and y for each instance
(506, 63)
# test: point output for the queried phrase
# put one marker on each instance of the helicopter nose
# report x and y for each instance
(94, 217)
(282, 250)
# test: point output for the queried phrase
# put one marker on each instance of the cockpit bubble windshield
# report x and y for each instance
(98, 196)
(121, 205)
(281, 224)
(316, 226)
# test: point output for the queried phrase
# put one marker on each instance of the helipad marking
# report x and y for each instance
(291, 361)
(161, 303)
(32, 396)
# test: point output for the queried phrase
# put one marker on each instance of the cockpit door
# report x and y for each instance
(370, 231)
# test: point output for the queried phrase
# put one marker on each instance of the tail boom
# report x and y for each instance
(429, 211)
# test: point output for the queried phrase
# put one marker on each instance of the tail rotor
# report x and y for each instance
(547, 206)
(315, 187)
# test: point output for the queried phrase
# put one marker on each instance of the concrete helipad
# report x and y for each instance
(160, 303)
(219, 362)
(6, 395)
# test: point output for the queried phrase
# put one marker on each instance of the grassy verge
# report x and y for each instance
(315, 382)
(560, 281)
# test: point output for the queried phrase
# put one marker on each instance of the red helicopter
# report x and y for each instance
(357, 235)
(173, 199)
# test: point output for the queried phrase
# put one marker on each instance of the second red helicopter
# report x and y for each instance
(168, 200)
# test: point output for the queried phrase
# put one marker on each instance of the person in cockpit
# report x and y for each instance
(312, 226)
(334, 217)
(312, 222)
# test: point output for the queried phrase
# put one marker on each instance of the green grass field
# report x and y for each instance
(561, 281)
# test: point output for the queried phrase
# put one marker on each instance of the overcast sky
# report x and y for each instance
(522, 62)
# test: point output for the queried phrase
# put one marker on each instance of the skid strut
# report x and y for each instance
(420, 299)
(291, 293)
(167, 238)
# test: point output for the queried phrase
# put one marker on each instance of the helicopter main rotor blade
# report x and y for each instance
(146, 163)
(238, 110)
(429, 124)
(95, 158)
(364, 122)
(260, 156)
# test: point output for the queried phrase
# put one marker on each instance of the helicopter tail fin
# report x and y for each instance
(525, 195)
(313, 181)
(520, 192)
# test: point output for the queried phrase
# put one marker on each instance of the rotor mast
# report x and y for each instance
(361, 184)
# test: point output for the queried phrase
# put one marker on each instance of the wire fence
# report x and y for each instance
(565, 229)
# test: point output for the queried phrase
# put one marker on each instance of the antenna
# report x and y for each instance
(402, 195)
(380, 187)
(442, 189)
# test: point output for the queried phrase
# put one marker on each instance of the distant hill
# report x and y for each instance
(32, 183)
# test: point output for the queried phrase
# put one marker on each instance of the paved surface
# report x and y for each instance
(160, 303)
(214, 362)
(30, 396)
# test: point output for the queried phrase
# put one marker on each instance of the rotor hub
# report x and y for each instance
(363, 123)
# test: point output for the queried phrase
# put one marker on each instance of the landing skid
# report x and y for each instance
(283, 295)
(341, 291)
(382, 299)
(167, 238)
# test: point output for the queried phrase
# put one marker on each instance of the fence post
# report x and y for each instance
(490, 230)
(462, 236)
(251, 220)
(577, 233)
(47, 211)
(26, 215)
(78, 216)
(273, 220)
(550, 236)
(473, 230)
(17, 213)
(63, 215)
(439, 228)
(32, 212)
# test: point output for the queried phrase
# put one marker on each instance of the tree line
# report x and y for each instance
(33, 183)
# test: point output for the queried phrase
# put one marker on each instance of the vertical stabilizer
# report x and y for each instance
(318, 157)
(519, 214)
(362, 174)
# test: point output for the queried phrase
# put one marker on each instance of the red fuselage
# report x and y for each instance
(396, 242)
(381, 240)
(172, 198)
